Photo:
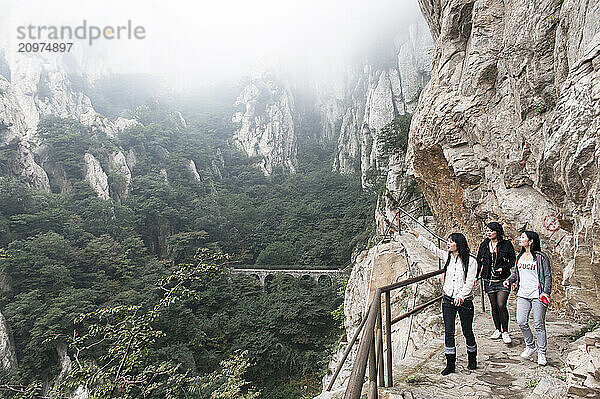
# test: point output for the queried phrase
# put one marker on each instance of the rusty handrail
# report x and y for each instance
(416, 309)
(371, 343)
(367, 345)
(370, 349)
(422, 207)
(439, 240)
(421, 224)
(347, 351)
(412, 280)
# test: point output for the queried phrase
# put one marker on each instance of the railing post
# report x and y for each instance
(439, 260)
(347, 351)
(357, 376)
(388, 338)
(372, 370)
(379, 348)
(482, 295)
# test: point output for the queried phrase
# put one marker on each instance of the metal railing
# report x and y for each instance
(439, 239)
(370, 350)
(420, 206)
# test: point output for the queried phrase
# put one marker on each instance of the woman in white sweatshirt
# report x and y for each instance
(461, 270)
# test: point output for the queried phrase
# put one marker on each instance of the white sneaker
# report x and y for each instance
(496, 334)
(542, 359)
(526, 354)
(506, 337)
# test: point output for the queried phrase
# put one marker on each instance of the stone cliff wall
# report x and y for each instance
(8, 358)
(351, 105)
(372, 96)
(508, 127)
(35, 87)
(265, 123)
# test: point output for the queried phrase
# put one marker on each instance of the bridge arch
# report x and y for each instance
(324, 277)
(325, 280)
(268, 280)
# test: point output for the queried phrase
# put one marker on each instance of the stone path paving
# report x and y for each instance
(501, 372)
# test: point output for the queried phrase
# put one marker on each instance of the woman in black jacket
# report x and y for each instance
(495, 258)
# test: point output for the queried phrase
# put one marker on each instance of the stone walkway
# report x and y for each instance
(501, 372)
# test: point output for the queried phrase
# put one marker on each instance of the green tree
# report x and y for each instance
(393, 138)
(113, 354)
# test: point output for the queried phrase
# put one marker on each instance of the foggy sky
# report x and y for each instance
(191, 42)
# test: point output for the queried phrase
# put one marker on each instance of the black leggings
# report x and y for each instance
(499, 312)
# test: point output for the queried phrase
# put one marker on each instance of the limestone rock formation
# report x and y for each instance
(376, 100)
(193, 170)
(8, 358)
(96, 177)
(117, 164)
(507, 129)
(66, 365)
(13, 134)
(36, 86)
(80, 393)
(372, 96)
(265, 123)
(351, 105)
(46, 86)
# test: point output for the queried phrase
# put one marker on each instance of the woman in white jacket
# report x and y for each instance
(461, 270)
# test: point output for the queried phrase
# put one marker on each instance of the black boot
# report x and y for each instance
(472, 360)
(450, 364)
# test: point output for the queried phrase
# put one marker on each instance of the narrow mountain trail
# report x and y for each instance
(501, 372)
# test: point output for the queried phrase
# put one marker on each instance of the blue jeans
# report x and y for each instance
(524, 306)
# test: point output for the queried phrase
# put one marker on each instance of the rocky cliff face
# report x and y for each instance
(351, 106)
(373, 102)
(372, 96)
(508, 129)
(8, 358)
(13, 133)
(32, 87)
(96, 177)
(265, 124)
(118, 165)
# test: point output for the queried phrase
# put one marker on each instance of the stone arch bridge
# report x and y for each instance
(320, 276)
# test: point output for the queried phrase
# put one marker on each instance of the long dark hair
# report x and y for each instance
(463, 250)
(497, 227)
(535, 246)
